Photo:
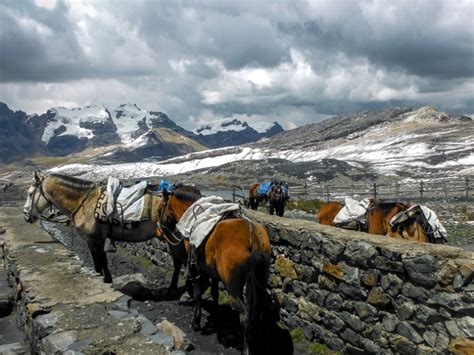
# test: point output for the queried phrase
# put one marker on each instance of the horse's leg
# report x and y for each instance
(104, 265)
(272, 209)
(93, 248)
(243, 317)
(174, 280)
(215, 291)
(196, 322)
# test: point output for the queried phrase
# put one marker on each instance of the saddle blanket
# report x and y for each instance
(264, 188)
(202, 216)
(125, 203)
(437, 229)
(353, 210)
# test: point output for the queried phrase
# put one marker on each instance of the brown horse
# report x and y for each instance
(237, 252)
(378, 220)
(328, 211)
(255, 198)
(277, 198)
(179, 248)
(77, 198)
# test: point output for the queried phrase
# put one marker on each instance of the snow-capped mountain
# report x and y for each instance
(231, 131)
(123, 133)
(127, 132)
(396, 143)
(16, 138)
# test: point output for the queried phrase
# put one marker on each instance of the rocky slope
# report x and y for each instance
(16, 137)
(392, 144)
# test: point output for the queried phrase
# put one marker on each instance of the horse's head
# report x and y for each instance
(277, 194)
(36, 201)
(172, 206)
(166, 221)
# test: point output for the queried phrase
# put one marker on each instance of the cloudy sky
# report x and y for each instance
(292, 61)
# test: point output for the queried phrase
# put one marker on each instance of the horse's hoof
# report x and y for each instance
(107, 280)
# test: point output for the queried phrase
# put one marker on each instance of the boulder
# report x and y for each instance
(134, 285)
(181, 341)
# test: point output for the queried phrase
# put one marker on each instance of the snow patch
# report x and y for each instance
(224, 125)
(70, 119)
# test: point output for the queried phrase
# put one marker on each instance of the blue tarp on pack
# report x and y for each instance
(264, 188)
(165, 184)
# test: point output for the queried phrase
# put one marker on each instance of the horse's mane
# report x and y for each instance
(73, 182)
(186, 192)
(388, 206)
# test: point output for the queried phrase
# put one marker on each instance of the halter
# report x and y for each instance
(39, 186)
(177, 239)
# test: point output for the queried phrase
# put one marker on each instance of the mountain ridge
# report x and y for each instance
(394, 144)
(127, 129)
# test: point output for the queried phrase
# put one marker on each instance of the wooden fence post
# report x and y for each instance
(327, 193)
(445, 192)
(467, 187)
(233, 193)
(375, 190)
(397, 191)
(305, 190)
(421, 191)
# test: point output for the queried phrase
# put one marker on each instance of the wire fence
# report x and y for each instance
(420, 191)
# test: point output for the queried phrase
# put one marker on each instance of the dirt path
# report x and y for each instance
(226, 341)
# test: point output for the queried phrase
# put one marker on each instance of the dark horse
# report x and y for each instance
(178, 248)
(237, 252)
(277, 198)
(77, 198)
(255, 198)
(378, 220)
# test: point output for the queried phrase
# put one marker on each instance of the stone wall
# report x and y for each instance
(360, 293)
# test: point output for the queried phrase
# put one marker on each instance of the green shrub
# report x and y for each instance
(297, 335)
(466, 214)
(320, 349)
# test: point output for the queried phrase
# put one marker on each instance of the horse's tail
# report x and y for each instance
(256, 294)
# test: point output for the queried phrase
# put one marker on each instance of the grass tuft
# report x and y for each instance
(297, 335)
(320, 349)
(309, 206)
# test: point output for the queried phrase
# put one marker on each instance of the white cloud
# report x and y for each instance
(294, 62)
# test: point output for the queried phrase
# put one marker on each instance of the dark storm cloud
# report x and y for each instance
(37, 44)
(211, 59)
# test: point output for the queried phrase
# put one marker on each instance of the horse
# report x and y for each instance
(179, 248)
(236, 252)
(277, 198)
(413, 225)
(76, 198)
(328, 211)
(379, 215)
(255, 198)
